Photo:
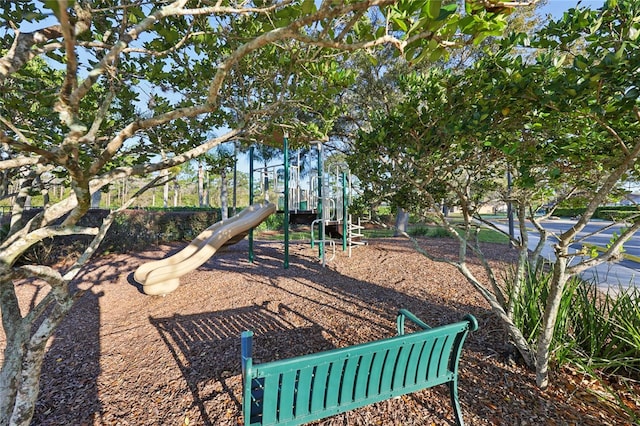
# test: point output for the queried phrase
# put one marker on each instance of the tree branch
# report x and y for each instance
(21, 51)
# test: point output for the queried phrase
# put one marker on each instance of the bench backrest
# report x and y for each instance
(310, 387)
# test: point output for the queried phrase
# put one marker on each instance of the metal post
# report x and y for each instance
(235, 177)
(344, 211)
(251, 201)
(286, 200)
(320, 213)
(509, 205)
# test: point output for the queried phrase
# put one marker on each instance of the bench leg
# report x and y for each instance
(455, 403)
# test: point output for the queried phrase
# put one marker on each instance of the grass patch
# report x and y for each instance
(279, 236)
(378, 233)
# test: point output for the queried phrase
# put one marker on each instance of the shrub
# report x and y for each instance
(599, 333)
(530, 305)
(429, 231)
(274, 222)
(606, 330)
(132, 230)
(568, 212)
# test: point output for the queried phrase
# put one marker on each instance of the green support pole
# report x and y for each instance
(344, 211)
(320, 216)
(251, 201)
(286, 200)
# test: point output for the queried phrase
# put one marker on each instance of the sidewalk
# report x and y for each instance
(610, 277)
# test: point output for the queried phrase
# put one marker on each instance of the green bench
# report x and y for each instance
(310, 387)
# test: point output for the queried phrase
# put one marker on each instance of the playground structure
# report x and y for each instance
(324, 204)
(163, 276)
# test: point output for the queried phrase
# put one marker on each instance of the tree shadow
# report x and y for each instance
(68, 383)
(207, 346)
(71, 366)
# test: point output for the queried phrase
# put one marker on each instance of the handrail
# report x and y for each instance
(323, 241)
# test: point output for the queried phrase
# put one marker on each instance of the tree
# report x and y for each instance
(220, 163)
(379, 89)
(562, 124)
(73, 114)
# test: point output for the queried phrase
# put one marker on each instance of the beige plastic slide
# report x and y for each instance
(163, 276)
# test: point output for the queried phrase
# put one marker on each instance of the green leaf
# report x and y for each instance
(447, 10)
(433, 8)
(400, 23)
(308, 6)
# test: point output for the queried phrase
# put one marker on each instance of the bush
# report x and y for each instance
(615, 213)
(274, 222)
(596, 332)
(593, 330)
(429, 231)
(531, 301)
(606, 331)
(138, 229)
(568, 212)
(132, 230)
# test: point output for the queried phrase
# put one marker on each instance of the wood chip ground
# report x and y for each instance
(124, 358)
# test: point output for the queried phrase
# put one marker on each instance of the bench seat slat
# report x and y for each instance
(332, 392)
(401, 366)
(362, 380)
(388, 369)
(319, 388)
(373, 386)
(303, 391)
(288, 388)
(423, 363)
(445, 356)
(270, 404)
(347, 386)
(410, 377)
(434, 359)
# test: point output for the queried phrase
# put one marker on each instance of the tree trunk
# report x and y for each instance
(176, 189)
(17, 337)
(402, 221)
(523, 260)
(224, 199)
(165, 191)
(4, 183)
(201, 197)
(25, 349)
(96, 197)
(554, 298)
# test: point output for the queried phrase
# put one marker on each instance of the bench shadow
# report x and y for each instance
(206, 346)
(373, 302)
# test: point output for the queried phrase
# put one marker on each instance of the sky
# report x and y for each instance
(557, 7)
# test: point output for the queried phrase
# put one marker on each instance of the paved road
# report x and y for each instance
(603, 237)
(609, 276)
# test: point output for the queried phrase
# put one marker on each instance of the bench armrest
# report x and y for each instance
(402, 314)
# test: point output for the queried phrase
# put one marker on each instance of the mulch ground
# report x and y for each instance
(124, 358)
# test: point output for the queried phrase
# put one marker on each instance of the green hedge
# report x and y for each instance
(568, 212)
(132, 230)
(135, 230)
(606, 212)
